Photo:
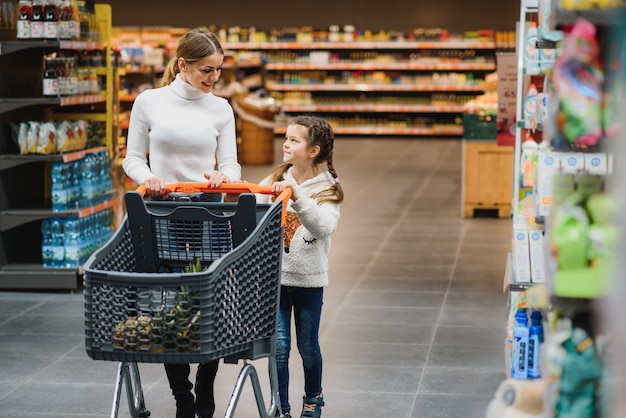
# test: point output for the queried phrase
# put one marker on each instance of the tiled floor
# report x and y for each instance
(414, 318)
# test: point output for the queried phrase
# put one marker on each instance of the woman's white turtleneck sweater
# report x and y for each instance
(187, 132)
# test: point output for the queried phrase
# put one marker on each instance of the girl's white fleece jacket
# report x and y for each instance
(305, 257)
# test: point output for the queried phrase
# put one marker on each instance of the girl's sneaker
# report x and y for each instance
(312, 407)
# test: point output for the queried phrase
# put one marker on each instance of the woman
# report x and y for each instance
(190, 136)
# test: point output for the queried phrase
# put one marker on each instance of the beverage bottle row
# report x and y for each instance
(56, 19)
(68, 242)
(82, 183)
(63, 77)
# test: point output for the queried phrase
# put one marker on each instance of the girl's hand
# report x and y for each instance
(279, 186)
(155, 186)
(216, 178)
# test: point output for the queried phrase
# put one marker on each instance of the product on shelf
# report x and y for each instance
(577, 79)
(48, 137)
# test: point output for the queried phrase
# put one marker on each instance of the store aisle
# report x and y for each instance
(414, 318)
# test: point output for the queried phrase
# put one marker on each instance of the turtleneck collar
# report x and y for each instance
(185, 90)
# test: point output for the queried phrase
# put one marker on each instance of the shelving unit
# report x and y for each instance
(377, 88)
(570, 297)
(25, 195)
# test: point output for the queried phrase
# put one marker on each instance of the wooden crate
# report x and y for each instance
(487, 177)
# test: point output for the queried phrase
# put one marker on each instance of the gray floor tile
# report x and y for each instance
(396, 333)
(375, 379)
(460, 381)
(450, 406)
(466, 356)
(368, 405)
(373, 354)
(476, 300)
(406, 299)
(44, 325)
(408, 284)
(486, 316)
(469, 335)
(431, 271)
(351, 314)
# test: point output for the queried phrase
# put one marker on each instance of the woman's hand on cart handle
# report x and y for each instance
(154, 186)
(216, 178)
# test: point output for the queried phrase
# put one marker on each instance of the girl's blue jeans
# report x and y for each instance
(306, 305)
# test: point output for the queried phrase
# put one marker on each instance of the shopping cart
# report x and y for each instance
(143, 302)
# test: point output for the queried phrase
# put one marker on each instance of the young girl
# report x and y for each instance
(312, 217)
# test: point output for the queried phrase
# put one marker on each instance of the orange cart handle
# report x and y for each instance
(235, 188)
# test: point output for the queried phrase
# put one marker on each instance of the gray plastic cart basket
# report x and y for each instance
(143, 305)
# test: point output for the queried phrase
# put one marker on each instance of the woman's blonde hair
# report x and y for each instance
(194, 45)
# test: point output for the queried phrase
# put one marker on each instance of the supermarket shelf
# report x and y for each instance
(381, 66)
(519, 287)
(12, 218)
(8, 104)
(361, 45)
(8, 47)
(372, 107)
(11, 160)
(384, 130)
(370, 87)
(35, 276)
(307, 67)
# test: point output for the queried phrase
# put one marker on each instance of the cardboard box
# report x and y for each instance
(572, 162)
(536, 250)
(521, 255)
(548, 164)
(596, 163)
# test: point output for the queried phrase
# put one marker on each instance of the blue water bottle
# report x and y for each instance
(535, 339)
(46, 244)
(71, 241)
(57, 245)
(58, 190)
(519, 357)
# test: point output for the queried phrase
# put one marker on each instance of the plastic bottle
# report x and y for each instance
(46, 244)
(57, 245)
(25, 15)
(87, 178)
(71, 242)
(531, 53)
(36, 24)
(51, 20)
(530, 105)
(58, 192)
(529, 149)
(66, 29)
(519, 357)
(50, 79)
(73, 188)
(535, 339)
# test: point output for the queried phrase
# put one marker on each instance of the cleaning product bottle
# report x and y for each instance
(519, 357)
(529, 149)
(531, 53)
(530, 106)
(535, 339)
